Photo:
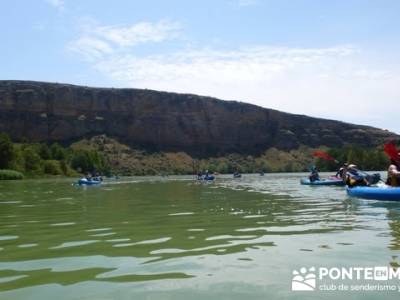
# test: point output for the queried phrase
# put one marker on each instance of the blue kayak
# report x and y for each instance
(207, 178)
(84, 181)
(335, 181)
(385, 193)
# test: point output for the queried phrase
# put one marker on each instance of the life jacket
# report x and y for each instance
(355, 180)
(314, 176)
(393, 181)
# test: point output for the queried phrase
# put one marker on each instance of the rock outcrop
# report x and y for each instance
(153, 120)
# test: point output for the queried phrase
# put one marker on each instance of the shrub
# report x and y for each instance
(57, 152)
(31, 158)
(44, 151)
(10, 175)
(64, 167)
(89, 161)
(6, 150)
(52, 167)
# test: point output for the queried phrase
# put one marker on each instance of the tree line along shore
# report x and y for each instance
(107, 156)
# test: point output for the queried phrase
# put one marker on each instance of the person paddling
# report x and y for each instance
(314, 176)
(393, 177)
(352, 176)
(396, 162)
(341, 171)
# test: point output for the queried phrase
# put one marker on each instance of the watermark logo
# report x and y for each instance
(377, 278)
(305, 280)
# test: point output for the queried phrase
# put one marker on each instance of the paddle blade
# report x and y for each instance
(391, 151)
(323, 155)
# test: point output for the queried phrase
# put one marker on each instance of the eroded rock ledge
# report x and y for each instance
(153, 120)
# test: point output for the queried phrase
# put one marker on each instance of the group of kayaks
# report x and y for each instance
(381, 192)
(86, 181)
(206, 177)
(209, 177)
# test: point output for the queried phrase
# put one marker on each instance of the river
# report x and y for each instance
(176, 238)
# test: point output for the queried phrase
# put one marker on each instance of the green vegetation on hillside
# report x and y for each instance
(39, 159)
(127, 161)
(104, 155)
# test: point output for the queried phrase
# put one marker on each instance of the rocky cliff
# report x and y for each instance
(153, 120)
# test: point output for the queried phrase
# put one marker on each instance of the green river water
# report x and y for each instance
(175, 238)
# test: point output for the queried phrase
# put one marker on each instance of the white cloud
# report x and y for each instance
(138, 33)
(338, 82)
(90, 48)
(253, 65)
(59, 4)
(97, 40)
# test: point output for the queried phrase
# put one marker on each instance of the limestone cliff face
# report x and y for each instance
(154, 120)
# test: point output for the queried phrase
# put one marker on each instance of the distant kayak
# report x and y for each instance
(237, 175)
(84, 181)
(329, 181)
(384, 193)
(206, 178)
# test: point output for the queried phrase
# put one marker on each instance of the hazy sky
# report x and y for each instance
(333, 59)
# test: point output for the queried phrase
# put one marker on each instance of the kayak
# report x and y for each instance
(84, 181)
(237, 175)
(331, 181)
(385, 193)
(207, 178)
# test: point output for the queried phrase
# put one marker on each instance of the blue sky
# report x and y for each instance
(332, 59)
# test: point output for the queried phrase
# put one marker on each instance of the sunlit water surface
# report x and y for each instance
(176, 238)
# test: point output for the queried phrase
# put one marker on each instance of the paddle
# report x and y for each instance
(392, 152)
(324, 155)
(327, 156)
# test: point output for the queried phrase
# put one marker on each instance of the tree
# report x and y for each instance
(52, 167)
(32, 159)
(44, 151)
(57, 152)
(6, 151)
(64, 167)
(89, 161)
(80, 161)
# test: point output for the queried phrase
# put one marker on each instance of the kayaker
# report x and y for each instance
(314, 176)
(396, 162)
(340, 172)
(208, 175)
(393, 177)
(352, 177)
